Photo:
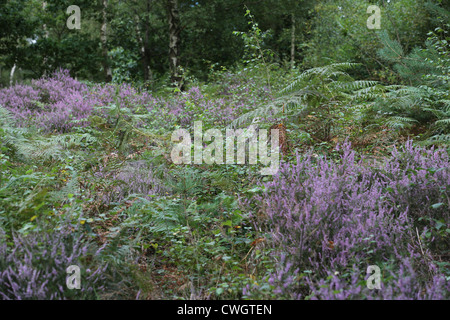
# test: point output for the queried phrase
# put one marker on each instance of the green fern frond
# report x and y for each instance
(332, 71)
(34, 147)
(310, 90)
(369, 93)
(353, 85)
(70, 188)
(445, 122)
(441, 138)
(398, 122)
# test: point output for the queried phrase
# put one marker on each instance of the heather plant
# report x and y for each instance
(50, 103)
(328, 218)
(404, 284)
(195, 105)
(60, 104)
(133, 178)
(34, 266)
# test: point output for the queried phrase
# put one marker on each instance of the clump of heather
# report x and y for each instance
(405, 283)
(135, 177)
(60, 103)
(194, 105)
(55, 87)
(331, 219)
(125, 95)
(54, 104)
(34, 266)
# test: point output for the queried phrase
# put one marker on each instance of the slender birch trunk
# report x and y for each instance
(293, 41)
(174, 40)
(11, 75)
(104, 41)
(144, 48)
(44, 27)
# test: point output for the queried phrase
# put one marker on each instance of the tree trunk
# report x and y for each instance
(141, 45)
(174, 41)
(144, 46)
(11, 75)
(293, 41)
(104, 40)
(44, 27)
(147, 71)
(147, 53)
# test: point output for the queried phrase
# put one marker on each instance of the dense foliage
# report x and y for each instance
(87, 175)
